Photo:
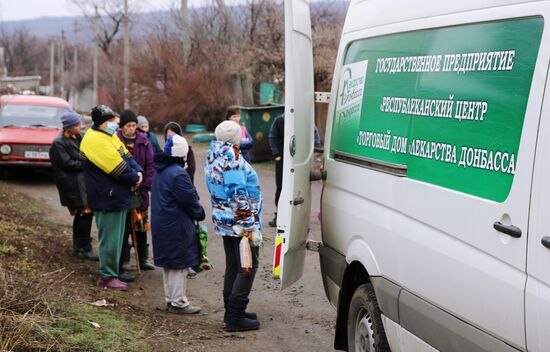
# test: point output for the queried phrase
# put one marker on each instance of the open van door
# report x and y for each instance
(295, 202)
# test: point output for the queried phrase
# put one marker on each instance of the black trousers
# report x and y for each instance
(82, 228)
(141, 245)
(235, 283)
(278, 180)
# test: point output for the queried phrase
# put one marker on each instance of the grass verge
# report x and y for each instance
(41, 308)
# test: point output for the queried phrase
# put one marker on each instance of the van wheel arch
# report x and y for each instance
(354, 276)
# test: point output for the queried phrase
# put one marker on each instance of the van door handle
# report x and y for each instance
(510, 230)
(545, 241)
(298, 201)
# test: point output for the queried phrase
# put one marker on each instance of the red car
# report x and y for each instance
(28, 126)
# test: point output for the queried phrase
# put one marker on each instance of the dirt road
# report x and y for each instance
(296, 319)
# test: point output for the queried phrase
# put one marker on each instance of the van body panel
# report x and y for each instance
(387, 295)
(438, 243)
(401, 340)
(537, 300)
(376, 13)
(333, 264)
(442, 330)
(360, 251)
(295, 202)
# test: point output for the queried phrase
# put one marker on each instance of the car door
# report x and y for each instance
(295, 202)
(537, 296)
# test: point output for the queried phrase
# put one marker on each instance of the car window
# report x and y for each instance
(31, 115)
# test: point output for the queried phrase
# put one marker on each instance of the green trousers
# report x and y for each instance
(110, 225)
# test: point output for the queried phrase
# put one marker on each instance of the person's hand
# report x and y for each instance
(278, 158)
(140, 179)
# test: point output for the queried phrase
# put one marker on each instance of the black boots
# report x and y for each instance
(235, 319)
(273, 223)
(143, 253)
(82, 244)
(88, 255)
(249, 315)
(126, 276)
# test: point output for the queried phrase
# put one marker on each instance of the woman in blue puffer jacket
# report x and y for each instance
(236, 212)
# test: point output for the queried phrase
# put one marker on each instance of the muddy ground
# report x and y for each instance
(296, 319)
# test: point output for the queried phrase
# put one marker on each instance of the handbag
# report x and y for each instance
(202, 235)
(136, 201)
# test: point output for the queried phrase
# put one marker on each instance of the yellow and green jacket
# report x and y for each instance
(109, 170)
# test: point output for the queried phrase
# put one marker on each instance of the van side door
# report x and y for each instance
(537, 295)
(294, 208)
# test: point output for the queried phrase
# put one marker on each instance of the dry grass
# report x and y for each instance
(24, 309)
(42, 305)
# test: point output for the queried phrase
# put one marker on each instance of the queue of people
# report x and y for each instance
(117, 171)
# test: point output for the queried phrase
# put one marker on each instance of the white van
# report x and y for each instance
(435, 208)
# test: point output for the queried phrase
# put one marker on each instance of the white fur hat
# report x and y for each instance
(177, 146)
(228, 131)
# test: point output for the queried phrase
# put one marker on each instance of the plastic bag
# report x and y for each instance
(246, 256)
(255, 236)
(204, 264)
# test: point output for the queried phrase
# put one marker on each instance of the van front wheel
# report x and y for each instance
(365, 329)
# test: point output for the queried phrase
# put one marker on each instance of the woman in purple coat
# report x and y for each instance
(141, 149)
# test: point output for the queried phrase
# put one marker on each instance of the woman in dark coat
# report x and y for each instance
(174, 209)
(141, 149)
(69, 176)
(233, 113)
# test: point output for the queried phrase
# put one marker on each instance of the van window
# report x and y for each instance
(447, 105)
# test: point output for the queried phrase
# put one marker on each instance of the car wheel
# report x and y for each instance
(365, 328)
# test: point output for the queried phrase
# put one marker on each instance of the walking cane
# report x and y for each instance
(134, 242)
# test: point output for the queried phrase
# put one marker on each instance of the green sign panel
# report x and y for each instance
(448, 104)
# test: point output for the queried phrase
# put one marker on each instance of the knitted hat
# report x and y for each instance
(70, 119)
(102, 113)
(142, 120)
(176, 146)
(228, 131)
(127, 116)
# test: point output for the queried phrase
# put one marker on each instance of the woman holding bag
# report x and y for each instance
(236, 213)
(141, 150)
(174, 209)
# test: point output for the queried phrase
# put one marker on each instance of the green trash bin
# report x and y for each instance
(258, 121)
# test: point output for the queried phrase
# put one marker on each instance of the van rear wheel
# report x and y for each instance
(365, 328)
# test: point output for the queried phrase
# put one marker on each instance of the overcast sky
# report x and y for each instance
(13, 10)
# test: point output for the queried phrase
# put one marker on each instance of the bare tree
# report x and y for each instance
(110, 20)
(186, 37)
(25, 54)
(230, 51)
(327, 20)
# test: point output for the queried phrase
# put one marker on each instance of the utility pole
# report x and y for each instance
(75, 55)
(75, 64)
(185, 29)
(62, 64)
(52, 65)
(126, 61)
(95, 89)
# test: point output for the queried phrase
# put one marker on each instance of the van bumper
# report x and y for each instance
(333, 267)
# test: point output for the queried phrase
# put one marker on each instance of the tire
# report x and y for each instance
(365, 328)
